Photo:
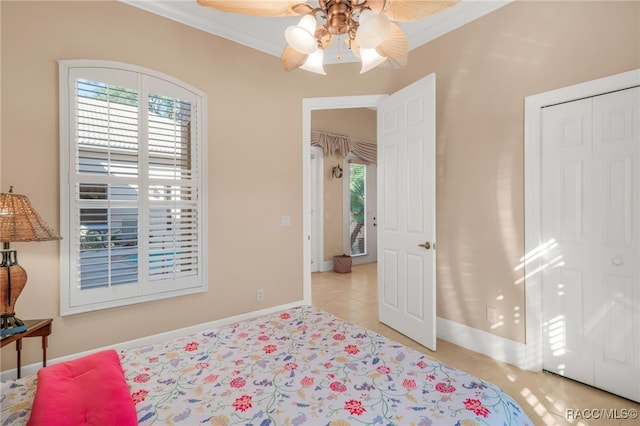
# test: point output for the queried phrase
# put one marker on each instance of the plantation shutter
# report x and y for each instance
(173, 218)
(134, 188)
(107, 184)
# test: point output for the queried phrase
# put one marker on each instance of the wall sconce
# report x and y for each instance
(337, 171)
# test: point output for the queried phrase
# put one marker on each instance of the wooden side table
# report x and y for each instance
(35, 328)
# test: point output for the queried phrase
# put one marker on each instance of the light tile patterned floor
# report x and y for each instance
(544, 396)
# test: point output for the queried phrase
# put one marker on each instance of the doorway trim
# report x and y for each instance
(534, 246)
(309, 105)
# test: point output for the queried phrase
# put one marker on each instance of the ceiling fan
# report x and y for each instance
(369, 27)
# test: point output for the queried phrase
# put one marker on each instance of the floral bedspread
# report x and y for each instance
(301, 366)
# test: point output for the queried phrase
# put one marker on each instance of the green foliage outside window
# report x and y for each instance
(358, 206)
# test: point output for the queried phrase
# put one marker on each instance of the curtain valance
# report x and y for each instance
(344, 145)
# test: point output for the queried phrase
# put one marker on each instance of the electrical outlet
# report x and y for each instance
(492, 314)
(260, 294)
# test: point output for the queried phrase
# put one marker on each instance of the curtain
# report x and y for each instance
(344, 145)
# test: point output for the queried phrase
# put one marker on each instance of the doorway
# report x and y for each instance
(406, 213)
(345, 142)
(309, 105)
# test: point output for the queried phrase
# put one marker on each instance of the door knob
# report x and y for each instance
(426, 245)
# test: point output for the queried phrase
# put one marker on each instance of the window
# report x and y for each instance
(132, 186)
(357, 209)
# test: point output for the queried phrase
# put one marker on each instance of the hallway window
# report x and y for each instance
(358, 208)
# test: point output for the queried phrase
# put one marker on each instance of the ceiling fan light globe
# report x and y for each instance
(301, 37)
(314, 62)
(373, 29)
(370, 59)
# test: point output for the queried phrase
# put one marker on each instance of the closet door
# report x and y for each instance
(590, 216)
(616, 180)
(567, 229)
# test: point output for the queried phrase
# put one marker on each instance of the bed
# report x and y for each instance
(299, 366)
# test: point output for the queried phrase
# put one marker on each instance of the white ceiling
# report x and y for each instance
(266, 34)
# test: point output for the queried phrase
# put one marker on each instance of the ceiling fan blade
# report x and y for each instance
(259, 7)
(292, 59)
(412, 10)
(376, 5)
(395, 47)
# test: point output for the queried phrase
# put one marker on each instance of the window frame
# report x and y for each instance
(73, 300)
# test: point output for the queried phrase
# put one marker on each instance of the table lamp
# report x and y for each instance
(18, 222)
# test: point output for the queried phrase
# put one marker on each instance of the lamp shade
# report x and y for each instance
(20, 222)
(301, 37)
(370, 59)
(314, 62)
(373, 29)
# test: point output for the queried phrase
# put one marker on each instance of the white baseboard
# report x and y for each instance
(326, 266)
(496, 347)
(150, 340)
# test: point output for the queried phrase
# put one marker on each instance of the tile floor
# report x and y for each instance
(544, 396)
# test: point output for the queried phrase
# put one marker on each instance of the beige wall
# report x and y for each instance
(357, 123)
(484, 70)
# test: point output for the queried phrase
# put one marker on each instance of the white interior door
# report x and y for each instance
(406, 211)
(591, 220)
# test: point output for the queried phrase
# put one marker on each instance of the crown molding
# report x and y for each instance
(266, 34)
